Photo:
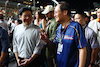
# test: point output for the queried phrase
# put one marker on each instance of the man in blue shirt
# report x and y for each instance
(4, 45)
(91, 38)
(70, 39)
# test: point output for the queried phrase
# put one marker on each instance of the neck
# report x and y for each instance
(66, 22)
(26, 24)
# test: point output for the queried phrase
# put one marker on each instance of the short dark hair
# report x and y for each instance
(94, 16)
(65, 6)
(82, 14)
(24, 9)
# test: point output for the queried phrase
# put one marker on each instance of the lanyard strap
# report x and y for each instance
(63, 32)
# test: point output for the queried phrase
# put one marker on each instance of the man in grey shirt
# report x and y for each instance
(26, 42)
(91, 38)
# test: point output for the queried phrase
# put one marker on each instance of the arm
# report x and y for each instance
(94, 55)
(45, 38)
(3, 56)
(4, 41)
(82, 57)
(94, 45)
(27, 61)
(33, 57)
(43, 24)
(17, 58)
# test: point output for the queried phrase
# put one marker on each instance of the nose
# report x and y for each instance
(27, 17)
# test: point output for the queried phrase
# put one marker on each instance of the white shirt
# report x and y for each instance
(26, 40)
(95, 26)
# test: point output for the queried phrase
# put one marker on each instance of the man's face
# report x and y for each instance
(58, 14)
(98, 13)
(26, 17)
(78, 18)
(49, 15)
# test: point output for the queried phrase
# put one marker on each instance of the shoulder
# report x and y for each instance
(3, 31)
(35, 26)
(18, 26)
(53, 20)
(1, 28)
(88, 29)
(92, 23)
(74, 24)
(59, 27)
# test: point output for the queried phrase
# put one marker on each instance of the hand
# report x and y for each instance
(44, 37)
(19, 62)
(42, 30)
(91, 65)
(25, 62)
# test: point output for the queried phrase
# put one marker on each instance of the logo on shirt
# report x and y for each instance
(68, 37)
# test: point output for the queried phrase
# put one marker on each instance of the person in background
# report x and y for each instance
(26, 42)
(40, 19)
(91, 38)
(37, 21)
(95, 25)
(2, 22)
(11, 23)
(51, 27)
(69, 40)
(17, 22)
(10, 20)
(4, 45)
(92, 17)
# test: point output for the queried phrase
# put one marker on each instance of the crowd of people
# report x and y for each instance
(52, 39)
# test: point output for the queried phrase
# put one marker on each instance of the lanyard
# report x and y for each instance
(65, 28)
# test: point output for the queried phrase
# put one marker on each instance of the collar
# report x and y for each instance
(27, 26)
(84, 26)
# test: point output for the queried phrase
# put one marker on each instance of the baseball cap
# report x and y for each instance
(48, 9)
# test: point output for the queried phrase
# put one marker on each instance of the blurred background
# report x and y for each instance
(10, 7)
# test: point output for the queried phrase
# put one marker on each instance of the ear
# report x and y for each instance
(85, 18)
(65, 12)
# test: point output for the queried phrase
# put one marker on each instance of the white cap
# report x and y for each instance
(48, 9)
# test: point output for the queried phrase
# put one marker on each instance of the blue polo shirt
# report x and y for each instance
(72, 41)
(4, 43)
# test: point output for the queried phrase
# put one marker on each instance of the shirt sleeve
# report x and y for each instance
(39, 44)
(80, 39)
(4, 40)
(14, 42)
(93, 40)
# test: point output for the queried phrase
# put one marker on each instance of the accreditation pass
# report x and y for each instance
(60, 48)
